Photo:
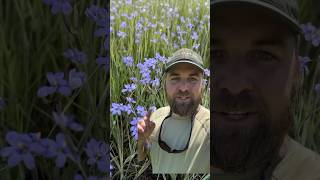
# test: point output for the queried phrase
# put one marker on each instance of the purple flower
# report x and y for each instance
(134, 132)
(47, 147)
(21, 149)
(175, 45)
(145, 80)
(130, 100)
(153, 40)
(103, 61)
(60, 150)
(101, 31)
(144, 70)
(2, 104)
(141, 110)
(121, 34)
(98, 154)
(75, 56)
(100, 17)
(127, 108)
(57, 6)
(153, 108)
(123, 24)
(57, 83)
(207, 72)
(308, 30)
(129, 88)
(196, 46)
(78, 177)
(155, 82)
(111, 168)
(128, 60)
(150, 63)
(135, 120)
(116, 109)
(303, 63)
(194, 35)
(316, 38)
(317, 88)
(160, 58)
(133, 79)
(134, 127)
(76, 79)
(67, 121)
(183, 42)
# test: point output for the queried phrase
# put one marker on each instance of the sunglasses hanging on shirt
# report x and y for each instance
(163, 145)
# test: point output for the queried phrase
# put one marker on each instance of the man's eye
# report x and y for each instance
(175, 79)
(260, 55)
(192, 79)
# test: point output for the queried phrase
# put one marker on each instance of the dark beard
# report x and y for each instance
(184, 108)
(246, 148)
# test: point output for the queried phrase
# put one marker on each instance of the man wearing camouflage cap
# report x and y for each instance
(254, 58)
(178, 135)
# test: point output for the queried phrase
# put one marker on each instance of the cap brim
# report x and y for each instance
(184, 61)
(291, 22)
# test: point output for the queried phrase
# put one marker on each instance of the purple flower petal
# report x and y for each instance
(61, 160)
(14, 160)
(78, 177)
(56, 7)
(66, 8)
(103, 166)
(12, 138)
(101, 32)
(45, 91)
(65, 90)
(29, 161)
(7, 151)
(76, 127)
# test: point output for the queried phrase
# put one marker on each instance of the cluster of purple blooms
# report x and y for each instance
(58, 83)
(311, 34)
(58, 6)
(26, 148)
(145, 24)
(100, 16)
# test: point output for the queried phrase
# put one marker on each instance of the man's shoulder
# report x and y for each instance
(159, 113)
(299, 163)
(203, 114)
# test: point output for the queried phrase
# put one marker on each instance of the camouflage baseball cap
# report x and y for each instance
(184, 55)
(286, 9)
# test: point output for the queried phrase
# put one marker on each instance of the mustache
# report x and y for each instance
(244, 102)
(182, 93)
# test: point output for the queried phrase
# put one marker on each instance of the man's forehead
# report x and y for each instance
(248, 24)
(184, 68)
(231, 16)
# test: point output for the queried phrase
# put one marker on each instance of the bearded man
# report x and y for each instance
(179, 134)
(254, 58)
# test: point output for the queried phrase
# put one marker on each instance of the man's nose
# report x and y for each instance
(183, 85)
(234, 80)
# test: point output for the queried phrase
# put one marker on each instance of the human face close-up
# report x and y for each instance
(184, 88)
(254, 66)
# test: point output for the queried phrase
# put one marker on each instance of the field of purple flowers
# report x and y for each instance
(143, 35)
(54, 89)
